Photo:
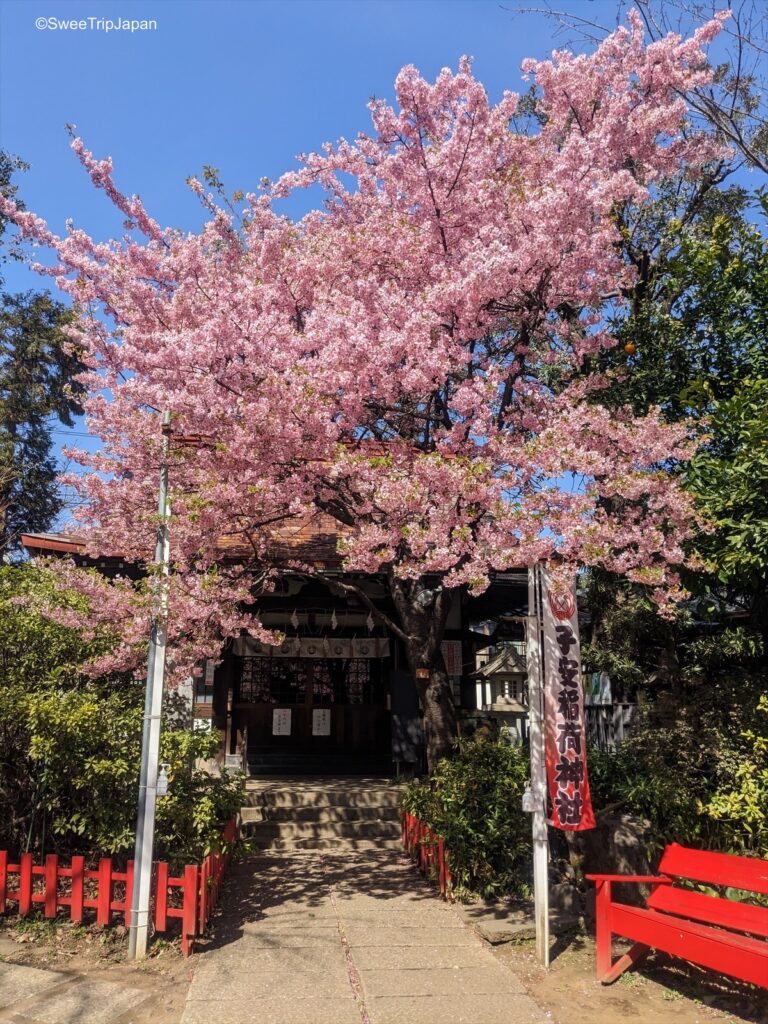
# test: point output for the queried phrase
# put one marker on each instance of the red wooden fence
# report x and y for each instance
(191, 897)
(428, 850)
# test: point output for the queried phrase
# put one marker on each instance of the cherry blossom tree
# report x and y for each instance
(411, 359)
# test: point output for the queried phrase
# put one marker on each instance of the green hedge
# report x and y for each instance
(474, 801)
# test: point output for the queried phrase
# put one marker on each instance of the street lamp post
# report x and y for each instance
(153, 707)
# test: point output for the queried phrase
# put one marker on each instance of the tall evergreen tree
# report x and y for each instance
(37, 388)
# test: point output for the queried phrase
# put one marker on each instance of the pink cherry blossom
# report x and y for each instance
(408, 360)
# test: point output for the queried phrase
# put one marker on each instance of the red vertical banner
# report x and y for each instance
(565, 735)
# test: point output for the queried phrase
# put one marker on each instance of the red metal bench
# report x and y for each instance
(714, 932)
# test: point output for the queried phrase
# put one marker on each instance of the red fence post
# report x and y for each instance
(203, 876)
(51, 884)
(78, 890)
(427, 849)
(3, 879)
(128, 893)
(189, 918)
(161, 896)
(104, 906)
(25, 884)
(213, 891)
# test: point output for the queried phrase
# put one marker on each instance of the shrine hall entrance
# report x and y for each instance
(314, 715)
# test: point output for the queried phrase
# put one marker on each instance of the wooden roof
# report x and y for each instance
(313, 541)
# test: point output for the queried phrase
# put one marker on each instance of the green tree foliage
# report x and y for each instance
(9, 165)
(730, 478)
(698, 310)
(38, 388)
(741, 806)
(69, 745)
(37, 366)
(698, 324)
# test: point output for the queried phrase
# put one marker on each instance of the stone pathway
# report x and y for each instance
(29, 994)
(347, 939)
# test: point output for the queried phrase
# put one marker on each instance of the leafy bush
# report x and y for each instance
(70, 745)
(474, 801)
(741, 808)
(190, 817)
(700, 775)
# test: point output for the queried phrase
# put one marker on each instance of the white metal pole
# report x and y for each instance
(150, 742)
(536, 668)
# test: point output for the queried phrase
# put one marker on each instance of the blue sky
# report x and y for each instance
(242, 85)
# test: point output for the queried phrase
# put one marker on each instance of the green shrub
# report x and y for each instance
(699, 776)
(82, 772)
(740, 807)
(70, 745)
(474, 801)
(190, 817)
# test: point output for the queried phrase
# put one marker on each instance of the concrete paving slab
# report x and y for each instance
(241, 984)
(317, 1010)
(516, 1009)
(278, 918)
(272, 935)
(86, 1002)
(19, 983)
(412, 957)
(488, 979)
(294, 912)
(499, 923)
(387, 900)
(404, 919)
(370, 934)
(253, 956)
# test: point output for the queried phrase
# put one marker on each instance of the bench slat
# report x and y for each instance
(710, 909)
(750, 873)
(736, 955)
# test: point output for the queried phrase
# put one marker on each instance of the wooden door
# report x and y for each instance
(352, 693)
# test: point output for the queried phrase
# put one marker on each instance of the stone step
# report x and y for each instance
(375, 829)
(320, 814)
(282, 796)
(279, 763)
(339, 845)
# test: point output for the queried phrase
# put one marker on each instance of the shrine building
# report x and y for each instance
(336, 697)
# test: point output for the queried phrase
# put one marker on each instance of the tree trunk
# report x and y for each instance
(422, 611)
(440, 725)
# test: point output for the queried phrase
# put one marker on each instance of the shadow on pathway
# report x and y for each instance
(359, 939)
